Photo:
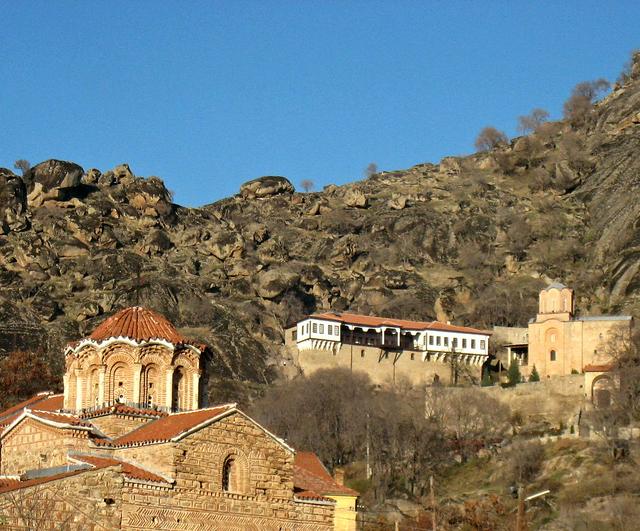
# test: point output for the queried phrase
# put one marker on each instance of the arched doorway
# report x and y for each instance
(149, 386)
(601, 391)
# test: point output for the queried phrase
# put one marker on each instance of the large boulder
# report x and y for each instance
(266, 186)
(54, 174)
(13, 202)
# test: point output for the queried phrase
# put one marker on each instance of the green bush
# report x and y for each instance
(514, 373)
(534, 376)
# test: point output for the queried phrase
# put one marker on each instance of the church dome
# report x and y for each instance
(138, 324)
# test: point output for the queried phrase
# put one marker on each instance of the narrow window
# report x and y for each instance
(446, 341)
(482, 344)
(228, 473)
(552, 355)
(315, 328)
(464, 343)
(362, 353)
(322, 329)
(337, 330)
(438, 340)
(473, 343)
(412, 356)
(430, 340)
(454, 342)
(330, 330)
(294, 335)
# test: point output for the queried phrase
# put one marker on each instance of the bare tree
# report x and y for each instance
(532, 121)
(307, 185)
(370, 170)
(23, 165)
(490, 138)
(582, 99)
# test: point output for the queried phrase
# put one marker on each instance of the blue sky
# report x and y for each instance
(210, 94)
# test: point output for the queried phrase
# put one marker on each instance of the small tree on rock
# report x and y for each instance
(534, 376)
(370, 170)
(490, 138)
(582, 99)
(23, 165)
(529, 123)
(307, 185)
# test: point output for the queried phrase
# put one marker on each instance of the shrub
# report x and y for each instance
(525, 460)
(534, 376)
(490, 138)
(532, 121)
(514, 373)
(582, 98)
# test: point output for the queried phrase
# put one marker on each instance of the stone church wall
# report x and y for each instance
(91, 500)
(32, 445)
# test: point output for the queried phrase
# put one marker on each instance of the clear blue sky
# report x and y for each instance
(210, 94)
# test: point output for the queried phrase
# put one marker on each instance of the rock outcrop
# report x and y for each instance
(266, 187)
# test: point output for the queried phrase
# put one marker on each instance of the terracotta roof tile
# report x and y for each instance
(139, 324)
(46, 401)
(169, 427)
(311, 495)
(61, 418)
(129, 470)
(15, 485)
(598, 368)
(367, 320)
(309, 474)
(123, 409)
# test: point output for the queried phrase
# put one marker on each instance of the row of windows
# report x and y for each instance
(318, 328)
(444, 340)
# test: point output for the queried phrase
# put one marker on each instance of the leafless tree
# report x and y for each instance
(33, 510)
(582, 99)
(489, 138)
(370, 170)
(307, 185)
(22, 165)
(532, 121)
(525, 460)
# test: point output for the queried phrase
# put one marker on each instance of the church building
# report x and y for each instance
(131, 444)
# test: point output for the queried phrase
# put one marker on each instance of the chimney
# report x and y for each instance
(338, 475)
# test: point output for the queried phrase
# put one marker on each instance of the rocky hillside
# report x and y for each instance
(470, 239)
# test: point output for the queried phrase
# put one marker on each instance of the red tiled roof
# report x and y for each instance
(139, 324)
(598, 368)
(48, 400)
(309, 474)
(123, 409)
(368, 320)
(310, 495)
(129, 470)
(169, 427)
(15, 485)
(60, 418)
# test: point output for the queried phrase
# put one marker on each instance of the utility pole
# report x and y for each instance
(521, 522)
(432, 497)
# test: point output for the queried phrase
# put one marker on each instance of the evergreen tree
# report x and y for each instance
(534, 376)
(514, 373)
(486, 379)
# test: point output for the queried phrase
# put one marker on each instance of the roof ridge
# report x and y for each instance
(209, 408)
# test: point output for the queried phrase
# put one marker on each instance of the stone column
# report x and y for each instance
(137, 371)
(79, 382)
(101, 375)
(196, 391)
(169, 393)
(65, 382)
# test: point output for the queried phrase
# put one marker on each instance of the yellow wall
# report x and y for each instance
(345, 513)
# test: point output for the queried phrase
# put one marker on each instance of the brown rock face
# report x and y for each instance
(13, 202)
(54, 175)
(266, 187)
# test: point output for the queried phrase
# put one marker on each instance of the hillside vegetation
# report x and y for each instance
(470, 239)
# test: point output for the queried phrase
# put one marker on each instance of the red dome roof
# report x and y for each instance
(139, 324)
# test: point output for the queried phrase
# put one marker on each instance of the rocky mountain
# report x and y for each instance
(470, 239)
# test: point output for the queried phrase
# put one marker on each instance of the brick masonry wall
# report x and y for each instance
(32, 445)
(88, 501)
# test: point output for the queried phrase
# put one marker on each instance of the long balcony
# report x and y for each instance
(372, 338)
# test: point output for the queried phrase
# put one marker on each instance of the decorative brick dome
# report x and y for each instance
(139, 324)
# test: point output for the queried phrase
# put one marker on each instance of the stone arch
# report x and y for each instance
(234, 472)
(120, 381)
(185, 359)
(551, 337)
(180, 389)
(150, 385)
(93, 386)
(601, 391)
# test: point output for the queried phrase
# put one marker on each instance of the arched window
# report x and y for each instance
(119, 380)
(149, 387)
(552, 355)
(229, 473)
(179, 391)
